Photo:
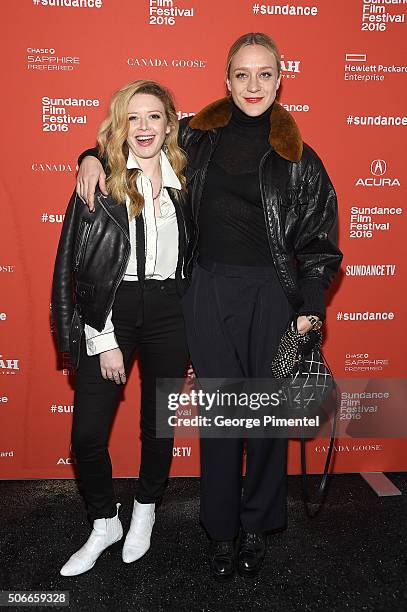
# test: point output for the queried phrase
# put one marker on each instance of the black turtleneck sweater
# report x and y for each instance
(232, 227)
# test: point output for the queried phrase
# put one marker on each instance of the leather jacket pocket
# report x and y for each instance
(84, 291)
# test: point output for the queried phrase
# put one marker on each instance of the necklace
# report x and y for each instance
(159, 192)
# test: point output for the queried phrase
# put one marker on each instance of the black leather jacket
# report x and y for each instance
(92, 256)
(299, 202)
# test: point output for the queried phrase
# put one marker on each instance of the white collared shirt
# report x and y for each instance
(161, 245)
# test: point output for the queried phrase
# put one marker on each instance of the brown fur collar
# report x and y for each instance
(284, 137)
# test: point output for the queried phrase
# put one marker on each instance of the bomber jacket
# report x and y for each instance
(93, 252)
(298, 198)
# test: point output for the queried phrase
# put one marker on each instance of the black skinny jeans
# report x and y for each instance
(151, 323)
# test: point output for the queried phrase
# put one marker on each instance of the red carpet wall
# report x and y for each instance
(343, 81)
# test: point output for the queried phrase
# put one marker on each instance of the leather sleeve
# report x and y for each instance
(62, 301)
(316, 250)
(183, 129)
(94, 152)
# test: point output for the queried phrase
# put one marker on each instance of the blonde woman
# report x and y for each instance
(118, 281)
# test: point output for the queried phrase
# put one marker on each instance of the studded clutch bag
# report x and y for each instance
(307, 383)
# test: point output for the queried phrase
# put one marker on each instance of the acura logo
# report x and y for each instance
(378, 167)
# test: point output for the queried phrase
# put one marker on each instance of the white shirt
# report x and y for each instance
(161, 244)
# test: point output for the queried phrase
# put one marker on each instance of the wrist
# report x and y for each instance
(315, 321)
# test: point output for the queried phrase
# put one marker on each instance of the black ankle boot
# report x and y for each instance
(251, 553)
(222, 559)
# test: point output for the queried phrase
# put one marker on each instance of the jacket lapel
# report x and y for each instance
(117, 211)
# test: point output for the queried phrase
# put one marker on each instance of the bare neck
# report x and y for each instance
(151, 167)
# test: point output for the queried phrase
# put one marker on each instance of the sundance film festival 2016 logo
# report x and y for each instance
(57, 115)
(9, 366)
(40, 59)
(166, 12)
(357, 69)
(377, 15)
(378, 170)
(366, 221)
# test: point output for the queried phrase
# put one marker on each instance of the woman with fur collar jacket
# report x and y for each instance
(264, 250)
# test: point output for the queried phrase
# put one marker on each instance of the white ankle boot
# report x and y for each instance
(105, 532)
(137, 540)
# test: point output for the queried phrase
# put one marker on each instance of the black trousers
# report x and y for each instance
(151, 323)
(235, 317)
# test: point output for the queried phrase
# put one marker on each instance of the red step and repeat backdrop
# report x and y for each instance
(343, 82)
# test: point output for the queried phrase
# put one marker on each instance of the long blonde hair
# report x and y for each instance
(112, 141)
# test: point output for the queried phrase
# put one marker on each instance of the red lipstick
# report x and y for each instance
(253, 100)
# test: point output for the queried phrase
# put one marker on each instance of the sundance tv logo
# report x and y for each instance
(378, 169)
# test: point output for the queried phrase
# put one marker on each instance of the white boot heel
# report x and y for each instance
(137, 540)
(105, 532)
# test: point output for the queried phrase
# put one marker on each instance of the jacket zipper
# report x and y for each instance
(82, 244)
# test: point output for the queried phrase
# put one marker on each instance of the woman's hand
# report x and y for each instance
(112, 366)
(90, 173)
(304, 325)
